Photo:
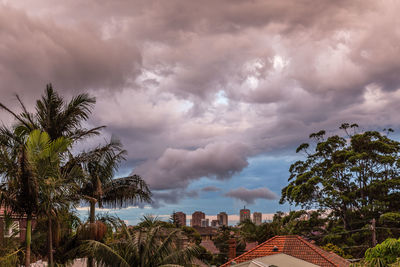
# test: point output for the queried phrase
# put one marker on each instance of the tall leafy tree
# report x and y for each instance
(354, 174)
(102, 189)
(57, 118)
(45, 158)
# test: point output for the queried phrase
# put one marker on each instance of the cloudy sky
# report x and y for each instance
(209, 98)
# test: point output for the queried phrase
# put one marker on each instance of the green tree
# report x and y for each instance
(54, 116)
(102, 189)
(55, 192)
(384, 254)
(355, 176)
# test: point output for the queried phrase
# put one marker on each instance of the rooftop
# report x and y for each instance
(294, 246)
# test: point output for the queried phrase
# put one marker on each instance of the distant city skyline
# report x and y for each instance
(133, 215)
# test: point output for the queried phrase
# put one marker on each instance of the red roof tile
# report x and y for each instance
(294, 246)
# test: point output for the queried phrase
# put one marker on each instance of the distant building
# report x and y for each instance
(215, 223)
(180, 218)
(222, 218)
(244, 214)
(205, 223)
(257, 218)
(197, 216)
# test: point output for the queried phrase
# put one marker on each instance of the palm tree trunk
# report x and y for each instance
(92, 217)
(50, 241)
(92, 211)
(28, 236)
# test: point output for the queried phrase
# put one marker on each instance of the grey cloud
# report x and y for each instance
(162, 197)
(176, 168)
(211, 189)
(36, 51)
(251, 195)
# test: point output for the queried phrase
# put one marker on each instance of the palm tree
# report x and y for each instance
(101, 188)
(151, 245)
(19, 187)
(56, 117)
(45, 159)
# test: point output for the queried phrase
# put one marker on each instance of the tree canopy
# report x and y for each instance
(354, 173)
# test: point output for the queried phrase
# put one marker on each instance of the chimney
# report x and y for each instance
(232, 249)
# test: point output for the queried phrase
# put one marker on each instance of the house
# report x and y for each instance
(17, 227)
(291, 250)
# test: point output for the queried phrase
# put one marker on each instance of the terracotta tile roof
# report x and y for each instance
(250, 245)
(294, 246)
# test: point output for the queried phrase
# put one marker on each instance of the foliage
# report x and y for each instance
(147, 246)
(383, 254)
(192, 234)
(39, 175)
(56, 117)
(221, 242)
(9, 250)
(357, 174)
(353, 178)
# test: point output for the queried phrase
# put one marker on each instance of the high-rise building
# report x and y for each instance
(197, 216)
(180, 218)
(222, 217)
(205, 222)
(257, 218)
(244, 214)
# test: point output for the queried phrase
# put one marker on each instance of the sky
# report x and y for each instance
(210, 98)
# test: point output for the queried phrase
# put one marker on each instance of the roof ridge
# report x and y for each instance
(251, 250)
(314, 248)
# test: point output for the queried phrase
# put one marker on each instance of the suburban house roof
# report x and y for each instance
(294, 246)
(280, 260)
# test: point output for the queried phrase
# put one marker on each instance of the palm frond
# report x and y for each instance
(16, 116)
(182, 256)
(26, 114)
(103, 254)
(128, 190)
(81, 133)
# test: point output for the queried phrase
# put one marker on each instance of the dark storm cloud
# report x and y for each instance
(251, 195)
(35, 51)
(195, 88)
(176, 168)
(211, 189)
